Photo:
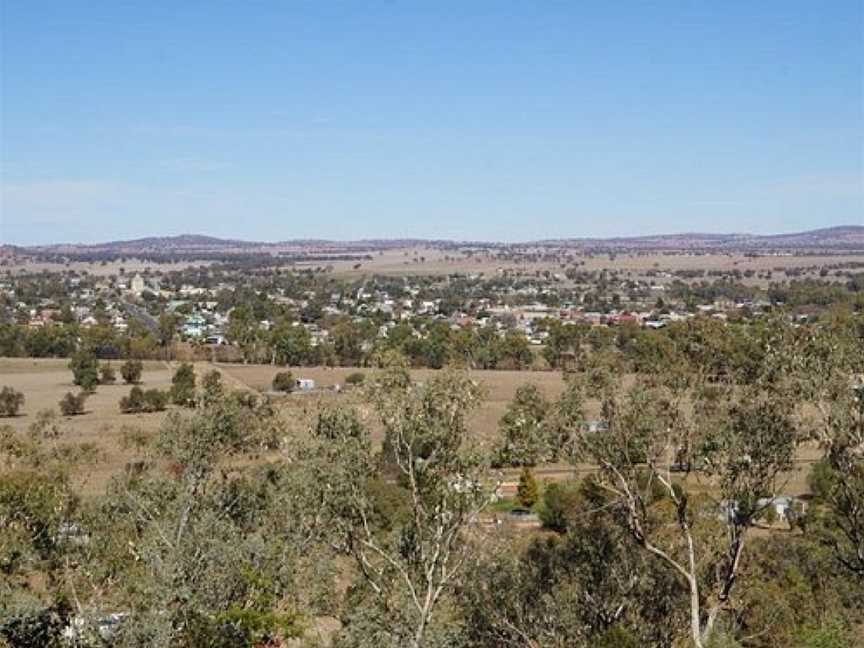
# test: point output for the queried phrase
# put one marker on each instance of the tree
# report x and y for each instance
(131, 371)
(208, 561)
(827, 362)
(73, 404)
(744, 439)
(85, 369)
(290, 344)
(523, 441)
(11, 401)
(410, 570)
(243, 330)
(183, 385)
(212, 387)
(564, 340)
(107, 375)
(166, 331)
(284, 381)
(589, 587)
(527, 492)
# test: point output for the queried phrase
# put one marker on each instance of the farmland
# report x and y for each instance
(45, 381)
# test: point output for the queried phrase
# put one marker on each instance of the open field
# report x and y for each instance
(400, 262)
(407, 262)
(44, 382)
(97, 268)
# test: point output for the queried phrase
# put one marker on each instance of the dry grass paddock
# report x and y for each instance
(44, 382)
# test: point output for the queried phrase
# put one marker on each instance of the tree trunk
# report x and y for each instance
(695, 626)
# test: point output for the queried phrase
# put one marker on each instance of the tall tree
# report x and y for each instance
(420, 562)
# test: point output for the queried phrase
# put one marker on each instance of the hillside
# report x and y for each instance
(847, 237)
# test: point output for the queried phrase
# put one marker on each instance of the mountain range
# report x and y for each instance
(845, 237)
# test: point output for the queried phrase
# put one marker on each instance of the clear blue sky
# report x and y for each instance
(473, 120)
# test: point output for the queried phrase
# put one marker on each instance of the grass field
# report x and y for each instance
(44, 382)
(401, 261)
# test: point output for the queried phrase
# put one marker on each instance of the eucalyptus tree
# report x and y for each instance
(829, 369)
(691, 464)
(411, 567)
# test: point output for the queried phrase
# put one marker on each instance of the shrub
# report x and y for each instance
(107, 375)
(138, 400)
(284, 381)
(212, 386)
(85, 370)
(527, 492)
(560, 501)
(131, 371)
(73, 404)
(11, 401)
(155, 400)
(132, 403)
(183, 385)
(355, 378)
(45, 425)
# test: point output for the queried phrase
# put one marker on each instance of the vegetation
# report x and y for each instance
(527, 492)
(85, 370)
(131, 371)
(139, 400)
(107, 375)
(354, 379)
(73, 404)
(183, 385)
(11, 401)
(284, 381)
(237, 525)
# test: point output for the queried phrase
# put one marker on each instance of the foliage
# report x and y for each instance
(559, 504)
(131, 371)
(139, 400)
(284, 381)
(212, 387)
(11, 401)
(183, 385)
(410, 569)
(85, 370)
(524, 440)
(527, 491)
(107, 375)
(73, 404)
(355, 378)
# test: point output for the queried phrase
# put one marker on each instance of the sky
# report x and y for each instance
(469, 120)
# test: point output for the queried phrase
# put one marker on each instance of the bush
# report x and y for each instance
(560, 501)
(131, 371)
(134, 402)
(183, 385)
(355, 378)
(155, 400)
(284, 382)
(138, 400)
(73, 404)
(11, 401)
(212, 386)
(107, 375)
(527, 492)
(85, 370)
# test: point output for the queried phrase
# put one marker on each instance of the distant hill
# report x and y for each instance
(840, 237)
(846, 237)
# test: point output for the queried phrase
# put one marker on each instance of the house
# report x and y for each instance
(784, 507)
(305, 384)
